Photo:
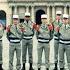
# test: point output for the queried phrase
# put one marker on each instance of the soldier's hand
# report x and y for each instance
(57, 29)
(8, 28)
(50, 27)
(57, 19)
(22, 29)
(36, 27)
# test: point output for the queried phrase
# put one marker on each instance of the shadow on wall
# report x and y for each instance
(3, 18)
(38, 16)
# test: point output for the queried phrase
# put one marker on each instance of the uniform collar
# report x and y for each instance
(59, 20)
(26, 21)
(44, 25)
(66, 26)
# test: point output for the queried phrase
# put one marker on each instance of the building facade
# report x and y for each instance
(35, 7)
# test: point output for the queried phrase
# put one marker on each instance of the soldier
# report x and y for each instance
(1, 46)
(56, 23)
(64, 42)
(43, 36)
(14, 37)
(27, 41)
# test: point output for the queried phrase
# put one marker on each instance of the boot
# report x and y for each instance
(56, 68)
(31, 68)
(23, 68)
(47, 68)
(1, 67)
(38, 68)
(61, 68)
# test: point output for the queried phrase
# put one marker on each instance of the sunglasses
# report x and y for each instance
(65, 18)
(58, 14)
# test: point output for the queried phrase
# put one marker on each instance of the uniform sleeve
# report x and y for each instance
(51, 30)
(7, 35)
(51, 34)
(15, 32)
(12, 30)
(60, 31)
(60, 27)
(40, 30)
(37, 34)
(19, 33)
(18, 28)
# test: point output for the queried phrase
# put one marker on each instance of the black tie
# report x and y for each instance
(65, 26)
(27, 21)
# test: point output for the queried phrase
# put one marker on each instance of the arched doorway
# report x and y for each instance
(38, 16)
(3, 17)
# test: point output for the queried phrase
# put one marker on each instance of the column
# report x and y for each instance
(65, 9)
(69, 10)
(48, 13)
(27, 8)
(32, 14)
(15, 9)
(53, 13)
(9, 16)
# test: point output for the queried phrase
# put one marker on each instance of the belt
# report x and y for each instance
(42, 42)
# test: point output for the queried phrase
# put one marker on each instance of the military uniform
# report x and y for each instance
(64, 43)
(27, 41)
(14, 37)
(57, 23)
(43, 37)
(1, 46)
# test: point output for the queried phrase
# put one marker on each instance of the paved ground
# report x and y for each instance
(6, 55)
